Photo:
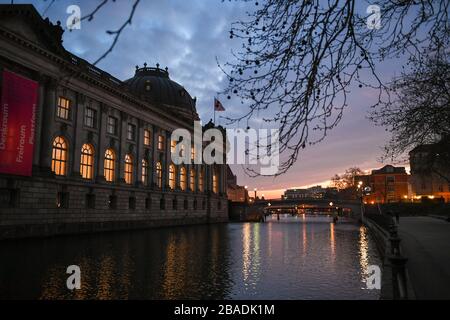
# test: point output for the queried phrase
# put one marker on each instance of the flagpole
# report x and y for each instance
(214, 111)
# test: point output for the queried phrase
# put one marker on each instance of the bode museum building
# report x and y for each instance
(82, 151)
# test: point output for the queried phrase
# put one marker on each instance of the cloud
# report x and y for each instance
(187, 36)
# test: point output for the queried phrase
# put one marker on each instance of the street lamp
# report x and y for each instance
(255, 192)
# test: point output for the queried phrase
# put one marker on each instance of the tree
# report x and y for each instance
(300, 59)
(346, 180)
(419, 111)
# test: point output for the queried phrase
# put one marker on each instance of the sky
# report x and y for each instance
(188, 37)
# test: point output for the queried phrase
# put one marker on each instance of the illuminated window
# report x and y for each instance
(183, 178)
(172, 175)
(128, 169)
(63, 109)
(147, 140)
(59, 156)
(193, 153)
(200, 180)
(159, 174)
(112, 125)
(173, 145)
(144, 172)
(110, 164)
(90, 118)
(215, 181)
(131, 132)
(192, 180)
(160, 143)
(87, 161)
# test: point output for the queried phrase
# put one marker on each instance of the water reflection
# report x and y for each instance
(332, 242)
(364, 253)
(294, 258)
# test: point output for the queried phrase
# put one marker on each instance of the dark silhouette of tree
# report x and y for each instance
(346, 180)
(418, 112)
(300, 59)
(115, 33)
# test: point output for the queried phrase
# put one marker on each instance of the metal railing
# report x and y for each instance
(394, 260)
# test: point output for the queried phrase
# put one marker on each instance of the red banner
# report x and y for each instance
(17, 124)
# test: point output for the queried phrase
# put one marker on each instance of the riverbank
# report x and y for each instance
(395, 282)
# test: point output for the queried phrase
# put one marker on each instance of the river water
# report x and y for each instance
(304, 257)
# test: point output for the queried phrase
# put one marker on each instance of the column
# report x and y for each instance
(102, 143)
(47, 124)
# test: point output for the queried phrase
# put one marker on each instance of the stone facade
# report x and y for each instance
(49, 204)
(430, 175)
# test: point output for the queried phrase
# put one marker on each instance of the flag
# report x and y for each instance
(218, 105)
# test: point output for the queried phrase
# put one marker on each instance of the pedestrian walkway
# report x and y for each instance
(426, 244)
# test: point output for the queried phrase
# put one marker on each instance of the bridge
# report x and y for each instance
(262, 208)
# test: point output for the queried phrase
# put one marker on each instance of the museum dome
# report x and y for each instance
(155, 86)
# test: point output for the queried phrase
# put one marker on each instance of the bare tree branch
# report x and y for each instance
(300, 60)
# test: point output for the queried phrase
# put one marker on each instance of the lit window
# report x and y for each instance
(90, 118)
(87, 161)
(159, 174)
(144, 172)
(131, 132)
(172, 174)
(110, 164)
(200, 180)
(59, 156)
(193, 153)
(160, 143)
(215, 182)
(183, 178)
(128, 169)
(173, 145)
(192, 180)
(112, 125)
(63, 110)
(147, 140)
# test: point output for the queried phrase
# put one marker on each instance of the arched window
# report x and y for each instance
(183, 178)
(200, 180)
(110, 165)
(215, 181)
(159, 174)
(87, 161)
(59, 156)
(192, 180)
(128, 169)
(144, 172)
(172, 175)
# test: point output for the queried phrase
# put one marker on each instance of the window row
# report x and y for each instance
(60, 158)
(63, 111)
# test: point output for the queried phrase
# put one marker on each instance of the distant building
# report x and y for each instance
(316, 192)
(388, 184)
(429, 176)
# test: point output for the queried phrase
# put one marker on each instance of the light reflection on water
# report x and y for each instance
(294, 258)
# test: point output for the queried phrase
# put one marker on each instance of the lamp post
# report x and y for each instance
(255, 192)
(361, 193)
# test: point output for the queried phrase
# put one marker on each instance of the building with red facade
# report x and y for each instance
(388, 184)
